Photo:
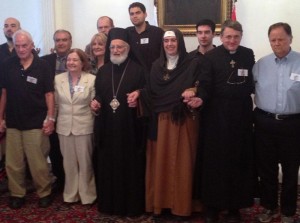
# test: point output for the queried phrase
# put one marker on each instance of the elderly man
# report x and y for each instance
(57, 61)
(227, 176)
(118, 132)
(28, 102)
(104, 24)
(277, 124)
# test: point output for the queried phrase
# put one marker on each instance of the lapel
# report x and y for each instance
(82, 82)
(65, 86)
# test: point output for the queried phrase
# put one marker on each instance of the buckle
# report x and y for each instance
(277, 117)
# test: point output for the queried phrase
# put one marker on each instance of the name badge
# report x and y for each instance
(145, 41)
(31, 80)
(243, 72)
(78, 88)
(295, 77)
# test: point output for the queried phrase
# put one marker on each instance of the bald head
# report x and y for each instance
(11, 25)
(104, 24)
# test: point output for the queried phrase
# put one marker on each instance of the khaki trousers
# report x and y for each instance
(33, 146)
(77, 154)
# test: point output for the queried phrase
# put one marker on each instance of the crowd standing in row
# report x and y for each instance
(147, 127)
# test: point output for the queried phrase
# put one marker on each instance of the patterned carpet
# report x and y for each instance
(60, 212)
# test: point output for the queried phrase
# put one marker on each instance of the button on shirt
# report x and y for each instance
(277, 83)
(60, 65)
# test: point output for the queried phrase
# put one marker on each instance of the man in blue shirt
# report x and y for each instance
(277, 124)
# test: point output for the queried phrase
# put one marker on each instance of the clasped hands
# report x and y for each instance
(131, 100)
(189, 97)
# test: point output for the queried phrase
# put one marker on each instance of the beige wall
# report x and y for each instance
(42, 17)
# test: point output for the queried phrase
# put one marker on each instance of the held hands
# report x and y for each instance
(95, 105)
(48, 126)
(189, 97)
(132, 98)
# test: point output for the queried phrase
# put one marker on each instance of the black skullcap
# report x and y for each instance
(118, 33)
(115, 33)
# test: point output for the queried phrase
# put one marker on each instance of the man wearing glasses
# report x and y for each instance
(120, 152)
(227, 176)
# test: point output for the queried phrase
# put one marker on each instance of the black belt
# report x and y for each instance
(278, 116)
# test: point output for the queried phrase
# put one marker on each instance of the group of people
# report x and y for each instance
(141, 125)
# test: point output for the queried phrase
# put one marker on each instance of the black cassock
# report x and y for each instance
(120, 145)
(227, 149)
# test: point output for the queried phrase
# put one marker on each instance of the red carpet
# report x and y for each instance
(59, 212)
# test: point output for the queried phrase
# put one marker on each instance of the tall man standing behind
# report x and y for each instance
(11, 25)
(57, 61)
(28, 102)
(147, 39)
(277, 123)
(205, 31)
(104, 24)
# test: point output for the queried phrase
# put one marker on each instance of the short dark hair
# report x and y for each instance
(287, 28)
(138, 5)
(206, 22)
(62, 31)
(231, 24)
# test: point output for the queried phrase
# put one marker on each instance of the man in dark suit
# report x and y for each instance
(63, 42)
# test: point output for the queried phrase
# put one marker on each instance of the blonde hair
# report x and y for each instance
(100, 37)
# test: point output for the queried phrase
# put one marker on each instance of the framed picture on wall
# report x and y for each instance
(184, 14)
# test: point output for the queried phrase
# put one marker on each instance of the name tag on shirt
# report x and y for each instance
(31, 79)
(78, 88)
(295, 77)
(145, 41)
(243, 72)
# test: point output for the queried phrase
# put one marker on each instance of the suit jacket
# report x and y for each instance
(51, 59)
(74, 115)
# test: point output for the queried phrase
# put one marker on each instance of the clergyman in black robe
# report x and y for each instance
(120, 152)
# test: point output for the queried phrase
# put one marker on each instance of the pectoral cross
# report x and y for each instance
(232, 63)
(166, 77)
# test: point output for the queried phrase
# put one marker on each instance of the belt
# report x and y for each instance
(278, 116)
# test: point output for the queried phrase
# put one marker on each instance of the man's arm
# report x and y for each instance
(48, 127)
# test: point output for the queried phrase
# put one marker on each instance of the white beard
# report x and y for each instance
(118, 59)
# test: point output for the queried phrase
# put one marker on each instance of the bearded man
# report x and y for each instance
(11, 25)
(120, 158)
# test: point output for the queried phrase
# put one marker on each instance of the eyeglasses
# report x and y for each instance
(117, 47)
(237, 37)
(235, 79)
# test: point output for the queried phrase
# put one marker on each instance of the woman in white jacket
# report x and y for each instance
(74, 90)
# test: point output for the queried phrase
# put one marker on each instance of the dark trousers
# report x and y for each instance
(277, 141)
(56, 160)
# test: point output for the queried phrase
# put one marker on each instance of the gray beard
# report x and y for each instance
(118, 59)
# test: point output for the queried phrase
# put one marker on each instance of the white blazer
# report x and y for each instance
(73, 113)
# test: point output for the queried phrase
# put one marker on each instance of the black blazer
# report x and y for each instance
(51, 59)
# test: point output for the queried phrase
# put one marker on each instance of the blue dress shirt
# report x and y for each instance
(277, 83)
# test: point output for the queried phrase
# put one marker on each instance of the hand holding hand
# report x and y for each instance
(95, 105)
(132, 99)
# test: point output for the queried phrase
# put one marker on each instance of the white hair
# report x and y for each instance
(22, 32)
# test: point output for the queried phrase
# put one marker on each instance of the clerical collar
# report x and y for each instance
(172, 61)
(232, 52)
